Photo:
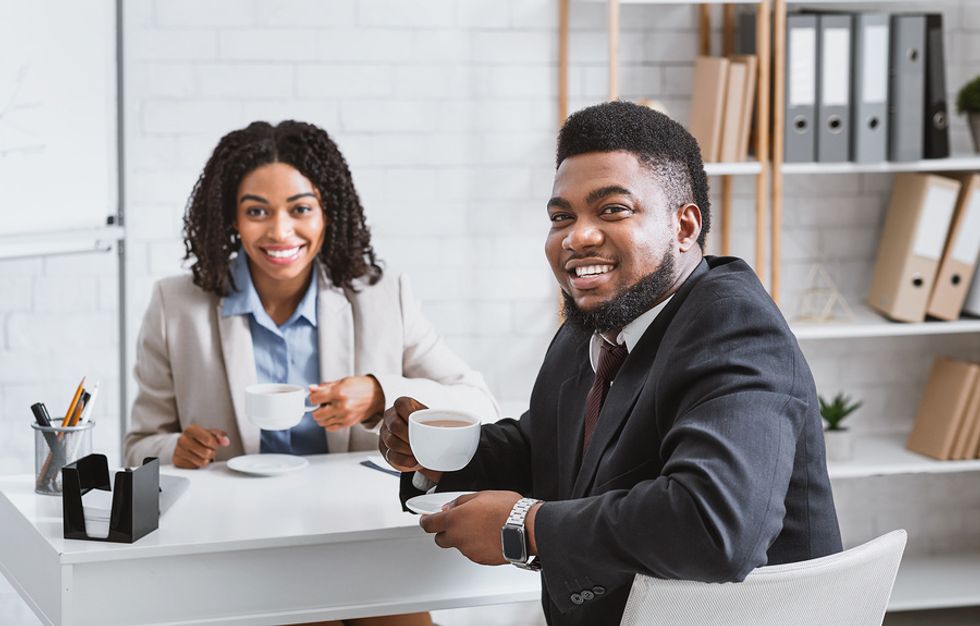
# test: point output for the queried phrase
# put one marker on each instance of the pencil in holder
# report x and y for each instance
(135, 509)
(54, 447)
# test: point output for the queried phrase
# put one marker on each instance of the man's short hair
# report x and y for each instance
(660, 143)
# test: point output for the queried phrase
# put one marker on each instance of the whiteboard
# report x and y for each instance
(58, 159)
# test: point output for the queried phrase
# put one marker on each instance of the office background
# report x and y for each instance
(447, 111)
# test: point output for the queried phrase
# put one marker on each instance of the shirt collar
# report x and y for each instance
(245, 299)
(630, 335)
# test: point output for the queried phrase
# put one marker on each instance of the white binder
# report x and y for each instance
(801, 88)
(869, 112)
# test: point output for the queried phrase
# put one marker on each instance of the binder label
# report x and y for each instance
(937, 211)
(876, 64)
(802, 86)
(967, 245)
(836, 66)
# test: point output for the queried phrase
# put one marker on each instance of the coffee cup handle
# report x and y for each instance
(310, 407)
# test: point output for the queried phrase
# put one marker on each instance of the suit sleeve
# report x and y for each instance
(155, 425)
(431, 372)
(727, 456)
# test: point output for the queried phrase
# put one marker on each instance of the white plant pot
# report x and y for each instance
(840, 445)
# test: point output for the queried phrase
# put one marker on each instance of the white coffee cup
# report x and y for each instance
(443, 448)
(273, 406)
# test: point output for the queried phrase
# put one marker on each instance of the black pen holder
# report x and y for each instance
(135, 498)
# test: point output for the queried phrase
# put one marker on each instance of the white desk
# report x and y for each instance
(327, 542)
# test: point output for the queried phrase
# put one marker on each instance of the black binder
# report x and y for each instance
(935, 141)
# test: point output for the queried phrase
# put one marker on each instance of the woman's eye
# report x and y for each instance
(255, 211)
(302, 209)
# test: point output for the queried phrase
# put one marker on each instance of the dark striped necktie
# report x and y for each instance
(610, 359)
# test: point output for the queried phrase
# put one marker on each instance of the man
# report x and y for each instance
(704, 458)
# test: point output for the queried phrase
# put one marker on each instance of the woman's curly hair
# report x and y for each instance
(210, 238)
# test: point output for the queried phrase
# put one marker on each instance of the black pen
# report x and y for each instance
(41, 415)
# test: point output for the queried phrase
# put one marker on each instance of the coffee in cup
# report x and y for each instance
(443, 440)
(274, 406)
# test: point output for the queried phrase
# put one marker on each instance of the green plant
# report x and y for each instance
(836, 410)
(968, 98)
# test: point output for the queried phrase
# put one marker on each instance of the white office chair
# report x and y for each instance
(850, 588)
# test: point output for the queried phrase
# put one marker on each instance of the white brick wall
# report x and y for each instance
(446, 111)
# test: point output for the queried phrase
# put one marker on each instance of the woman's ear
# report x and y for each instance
(688, 226)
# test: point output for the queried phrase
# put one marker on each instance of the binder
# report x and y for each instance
(963, 448)
(906, 108)
(801, 88)
(919, 215)
(748, 105)
(972, 304)
(834, 87)
(943, 407)
(710, 82)
(935, 140)
(960, 255)
(971, 449)
(869, 93)
(731, 124)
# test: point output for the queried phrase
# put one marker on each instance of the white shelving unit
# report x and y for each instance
(744, 168)
(867, 323)
(937, 582)
(885, 455)
(952, 164)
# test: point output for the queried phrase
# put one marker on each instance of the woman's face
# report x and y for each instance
(280, 221)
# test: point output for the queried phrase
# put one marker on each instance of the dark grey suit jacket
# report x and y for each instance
(707, 460)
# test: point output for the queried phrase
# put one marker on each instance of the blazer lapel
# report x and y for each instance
(628, 383)
(335, 330)
(570, 420)
(236, 348)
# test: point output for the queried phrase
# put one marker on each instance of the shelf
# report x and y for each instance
(956, 163)
(936, 582)
(870, 324)
(744, 168)
(852, 2)
(885, 455)
(63, 242)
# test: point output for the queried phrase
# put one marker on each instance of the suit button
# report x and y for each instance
(599, 590)
(576, 599)
(588, 595)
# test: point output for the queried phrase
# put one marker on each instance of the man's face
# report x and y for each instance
(610, 228)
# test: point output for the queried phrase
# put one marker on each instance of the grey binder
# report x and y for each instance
(869, 93)
(833, 87)
(906, 103)
(801, 88)
(936, 137)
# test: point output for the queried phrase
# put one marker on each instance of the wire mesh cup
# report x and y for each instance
(54, 447)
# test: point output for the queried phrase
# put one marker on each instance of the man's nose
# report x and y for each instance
(583, 235)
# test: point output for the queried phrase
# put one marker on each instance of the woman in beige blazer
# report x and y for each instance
(275, 208)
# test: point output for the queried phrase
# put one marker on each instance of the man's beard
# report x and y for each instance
(626, 306)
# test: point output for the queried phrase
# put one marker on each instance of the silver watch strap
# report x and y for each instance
(519, 512)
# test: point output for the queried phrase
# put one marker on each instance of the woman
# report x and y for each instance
(285, 288)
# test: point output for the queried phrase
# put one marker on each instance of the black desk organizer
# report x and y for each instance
(135, 500)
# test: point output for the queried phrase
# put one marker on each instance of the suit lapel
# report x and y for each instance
(335, 330)
(629, 383)
(236, 348)
(570, 419)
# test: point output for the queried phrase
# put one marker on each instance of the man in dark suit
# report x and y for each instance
(673, 429)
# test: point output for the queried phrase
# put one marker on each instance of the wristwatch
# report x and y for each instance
(513, 537)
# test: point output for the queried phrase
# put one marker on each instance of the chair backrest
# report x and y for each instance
(850, 588)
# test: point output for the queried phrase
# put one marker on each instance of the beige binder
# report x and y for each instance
(731, 124)
(972, 448)
(911, 245)
(960, 256)
(748, 105)
(708, 104)
(963, 445)
(943, 407)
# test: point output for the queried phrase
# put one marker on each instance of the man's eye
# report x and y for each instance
(559, 217)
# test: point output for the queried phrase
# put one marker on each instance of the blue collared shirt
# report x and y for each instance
(286, 353)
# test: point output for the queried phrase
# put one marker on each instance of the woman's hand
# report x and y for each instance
(197, 446)
(347, 401)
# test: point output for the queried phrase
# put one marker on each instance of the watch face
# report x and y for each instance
(512, 539)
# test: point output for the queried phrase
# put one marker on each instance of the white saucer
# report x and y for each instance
(267, 464)
(432, 502)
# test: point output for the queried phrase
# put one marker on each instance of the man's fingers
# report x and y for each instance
(405, 406)
(401, 462)
(443, 541)
(398, 428)
(434, 522)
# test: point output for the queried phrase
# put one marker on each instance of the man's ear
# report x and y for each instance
(688, 226)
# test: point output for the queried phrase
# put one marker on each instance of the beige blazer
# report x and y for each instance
(192, 364)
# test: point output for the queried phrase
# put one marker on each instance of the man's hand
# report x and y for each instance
(347, 401)
(197, 446)
(472, 524)
(393, 436)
